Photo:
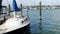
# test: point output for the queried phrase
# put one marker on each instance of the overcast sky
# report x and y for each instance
(32, 2)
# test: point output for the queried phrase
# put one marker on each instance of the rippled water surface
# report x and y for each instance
(50, 22)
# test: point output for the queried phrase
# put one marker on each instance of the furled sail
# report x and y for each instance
(15, 7)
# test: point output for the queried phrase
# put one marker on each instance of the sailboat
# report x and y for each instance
(16, 24)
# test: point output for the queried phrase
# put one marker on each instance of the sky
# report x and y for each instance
(32, 2)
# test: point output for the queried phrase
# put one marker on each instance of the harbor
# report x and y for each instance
(39, 19)
(46, 7)
(51, 22)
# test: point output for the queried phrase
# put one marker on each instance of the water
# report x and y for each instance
(50, 24)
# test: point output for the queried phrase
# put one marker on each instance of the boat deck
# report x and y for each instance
(3, 19)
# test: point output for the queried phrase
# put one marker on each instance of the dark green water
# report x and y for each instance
(50, 23)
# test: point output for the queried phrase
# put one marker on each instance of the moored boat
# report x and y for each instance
(16, 23)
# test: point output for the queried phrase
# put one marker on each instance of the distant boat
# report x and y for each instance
(15, 24)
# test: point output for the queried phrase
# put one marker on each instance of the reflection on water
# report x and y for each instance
(51, 22)
(27, 31)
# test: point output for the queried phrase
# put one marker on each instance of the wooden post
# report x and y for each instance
(9, 10)
(40, 17)
(21, 10)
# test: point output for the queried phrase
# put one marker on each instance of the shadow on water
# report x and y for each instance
(28, 31)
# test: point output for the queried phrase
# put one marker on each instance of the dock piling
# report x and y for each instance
(40, 17)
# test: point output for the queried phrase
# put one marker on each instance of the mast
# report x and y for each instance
(9, 8)
(21, 10)
(0, 6)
